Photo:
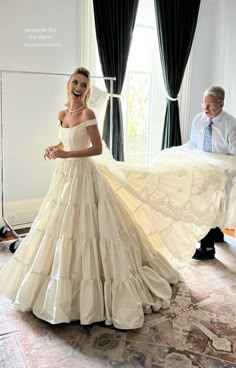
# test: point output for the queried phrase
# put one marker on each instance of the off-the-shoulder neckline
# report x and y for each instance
(87, 121)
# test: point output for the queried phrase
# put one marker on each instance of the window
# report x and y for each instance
(143, 91)
(143, 94)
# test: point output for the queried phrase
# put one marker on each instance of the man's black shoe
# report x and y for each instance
(219, 239)
(202, 254)
(219, 236)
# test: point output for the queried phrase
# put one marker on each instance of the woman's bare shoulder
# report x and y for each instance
(61, 115)
(88, 114)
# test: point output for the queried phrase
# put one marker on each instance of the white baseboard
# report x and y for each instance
(230, 239)
(20, 213)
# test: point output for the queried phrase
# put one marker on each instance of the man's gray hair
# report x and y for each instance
(217, 92)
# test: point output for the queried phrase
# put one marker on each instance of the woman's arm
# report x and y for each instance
(48, 150)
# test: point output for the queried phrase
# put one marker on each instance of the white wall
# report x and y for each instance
(212, 59)
(23, 48)
(199, 70)
(37, 36)
(224, 65)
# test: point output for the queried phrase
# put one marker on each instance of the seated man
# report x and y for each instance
(213, 130)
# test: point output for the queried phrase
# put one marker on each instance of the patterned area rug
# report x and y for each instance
(197, 331)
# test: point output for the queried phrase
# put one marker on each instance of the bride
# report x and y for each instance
(98, 248)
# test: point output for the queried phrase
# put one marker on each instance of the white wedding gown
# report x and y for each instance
(94, 251)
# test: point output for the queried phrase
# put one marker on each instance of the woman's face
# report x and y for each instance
(78, 88)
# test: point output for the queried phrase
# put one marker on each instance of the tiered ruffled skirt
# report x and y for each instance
(85, 258)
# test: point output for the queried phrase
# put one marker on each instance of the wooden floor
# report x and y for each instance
(11, 236)
(230, 232)
(198, 330)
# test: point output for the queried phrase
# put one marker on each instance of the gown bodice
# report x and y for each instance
(77, 137)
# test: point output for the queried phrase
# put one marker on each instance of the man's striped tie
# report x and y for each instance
(207, 142)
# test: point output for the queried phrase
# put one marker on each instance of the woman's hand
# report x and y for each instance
(58, 153)
(47, 153)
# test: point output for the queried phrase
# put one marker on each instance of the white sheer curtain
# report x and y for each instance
(86, 37)
(87, 56)
(144, 92)
(184, 103)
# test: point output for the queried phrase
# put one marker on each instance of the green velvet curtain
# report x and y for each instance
(176, 23)
(114, 22)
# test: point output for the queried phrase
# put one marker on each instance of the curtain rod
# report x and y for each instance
(111, 80)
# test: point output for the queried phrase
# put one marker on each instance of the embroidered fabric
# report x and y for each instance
(183, 191)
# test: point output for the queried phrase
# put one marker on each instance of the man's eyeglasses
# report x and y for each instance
(210, 106)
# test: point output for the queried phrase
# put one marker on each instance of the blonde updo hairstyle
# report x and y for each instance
(85, 72)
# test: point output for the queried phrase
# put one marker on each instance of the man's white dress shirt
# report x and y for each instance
(223, 133)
